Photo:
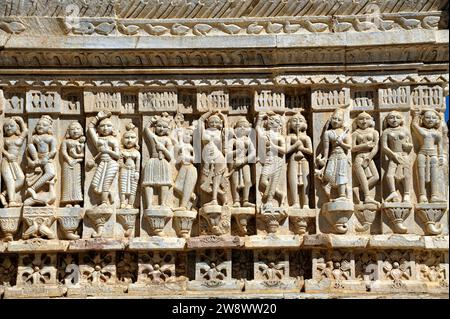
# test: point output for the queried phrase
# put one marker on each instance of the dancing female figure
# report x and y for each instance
(431, 153)
(365, 146)
(14, 135)
(101, 131)
(335, 161)
(396, 145)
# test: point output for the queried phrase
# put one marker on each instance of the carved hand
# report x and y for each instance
(11, 157)
(103, 115)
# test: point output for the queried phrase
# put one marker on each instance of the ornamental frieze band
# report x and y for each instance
(161, 148)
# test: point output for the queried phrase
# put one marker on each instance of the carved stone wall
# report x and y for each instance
(156, 152)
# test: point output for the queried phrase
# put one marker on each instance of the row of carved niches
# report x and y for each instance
(160, 272)
(169, 174)
(72, 101)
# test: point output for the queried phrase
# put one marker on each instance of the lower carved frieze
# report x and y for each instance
(221, 271)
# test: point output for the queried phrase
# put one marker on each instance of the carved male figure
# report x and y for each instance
(213, 180)
(335, 162)
(130, 161)
(274, 149)
(242, 152)
(396, 145)
(187, 173)
(157, 170)
(298, 145)
(365, 146)
(14, 135)
(101, 132)
(72, 150)
(431, 153)
(41, 155)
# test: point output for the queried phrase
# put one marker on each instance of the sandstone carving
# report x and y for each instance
(103, 136)
(72, 150)
(397, 144)
(130, 161)
(14, 134)
(299, 147)
(219, 148)
(41, 153)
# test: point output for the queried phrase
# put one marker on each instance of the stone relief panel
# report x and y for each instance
(263, 169)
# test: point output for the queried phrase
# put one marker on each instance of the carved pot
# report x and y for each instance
(365, 214)
(183, 221)
(338, 214)
(242, 216)
(157, 219)
(299, 224)
(430, 215)
(213, 216)
(128, 220)
(397, 214)
(70, 225)
(9, 226)
(99, 216)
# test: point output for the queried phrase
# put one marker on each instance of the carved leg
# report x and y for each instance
(407, 185)
(123, 201)
(131, 200)
(148, 196)
(164, 195)
(234, 189)
(105, 196)
(435, 186)
(421, 170)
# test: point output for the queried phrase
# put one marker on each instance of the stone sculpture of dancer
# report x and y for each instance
(187, 173)
(242, 152)
(396, 145)
(72, 150)
(101, 131)
(14, 135)
(130, 161)
(299, 146)
(274, 145)
(157, 170)
(41, 155)
(365, 146)
(430, 158)
(335, 164)
(213, 179)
